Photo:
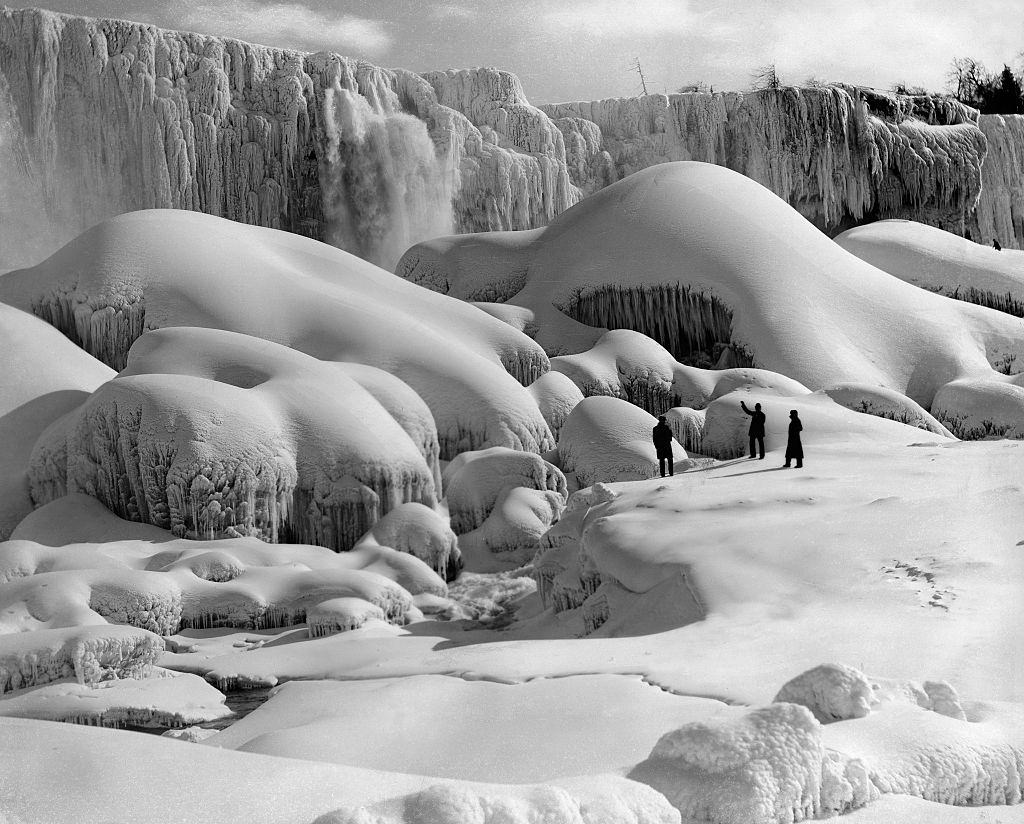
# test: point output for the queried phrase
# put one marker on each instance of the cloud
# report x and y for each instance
(289, 25)
(620, 18)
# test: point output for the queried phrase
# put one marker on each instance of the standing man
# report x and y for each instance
(794, 446)
(663, 444)
(756, 431)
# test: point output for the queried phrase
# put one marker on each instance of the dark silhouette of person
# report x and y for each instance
(996, 246)
(663, 444)
(756, 431)
(794, 447)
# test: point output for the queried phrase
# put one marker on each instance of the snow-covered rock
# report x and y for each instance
(608, 439)
(832, 692)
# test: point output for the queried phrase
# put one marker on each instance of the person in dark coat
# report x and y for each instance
(756, 431)
(663, 444)
(794, 448)
(996, 246)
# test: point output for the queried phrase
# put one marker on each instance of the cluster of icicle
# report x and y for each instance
(123, 116)
(836, 153)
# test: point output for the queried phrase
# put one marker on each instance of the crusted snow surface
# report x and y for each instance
(420, 531)
(474, 481)
(88, 654)
(164, 699)
(608, 439)
(164, 267)
(210, 434)
(942, 262)
(42, 377)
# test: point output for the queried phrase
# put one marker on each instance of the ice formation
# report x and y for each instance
(837, 153)
(164, 699)
(161, 268)
(419, 531)
(124, 116)
(1000, 211)
(768, 766)
(89, 654)
(885, 403)
(165, 587)
(832, 692)
(608, 439)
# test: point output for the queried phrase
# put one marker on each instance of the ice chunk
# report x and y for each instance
(419, 531)
(833, 692)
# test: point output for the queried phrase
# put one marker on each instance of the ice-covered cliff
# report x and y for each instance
(121, 116)
(100, 117)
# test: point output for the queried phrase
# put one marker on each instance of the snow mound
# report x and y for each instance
(941, 262)
(765, 767)
(79, 519)
(597, 801)
(758, 279)
(885, 403)
(218, 434)
(474, 481)
(164, 699)
(419, 531)
(87, 654)
(832, 692)
(975, 408)
(607, 439)
(42, 376)
(341, 615)
(518, 519)
(556, 396)
(163, 267)
(164, 587)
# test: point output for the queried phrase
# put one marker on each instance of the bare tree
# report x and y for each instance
(766, 78)
(965, 78)
(699, 86)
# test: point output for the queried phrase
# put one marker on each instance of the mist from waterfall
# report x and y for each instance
(27, 234)
(384, 187)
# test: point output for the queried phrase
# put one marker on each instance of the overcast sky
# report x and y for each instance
(584, 49)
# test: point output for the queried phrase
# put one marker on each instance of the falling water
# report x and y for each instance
(384, 186)
(27, 235)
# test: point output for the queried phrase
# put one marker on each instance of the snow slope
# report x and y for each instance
(42, 376)
(941, 262)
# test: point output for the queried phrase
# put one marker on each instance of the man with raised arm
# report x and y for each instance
(756, 431)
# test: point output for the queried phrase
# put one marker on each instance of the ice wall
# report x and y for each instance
(838, 154)
(1000, 212)
(124, 116)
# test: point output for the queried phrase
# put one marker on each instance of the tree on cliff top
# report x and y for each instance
(990, 93)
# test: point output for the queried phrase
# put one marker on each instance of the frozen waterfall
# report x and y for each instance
(384, 187)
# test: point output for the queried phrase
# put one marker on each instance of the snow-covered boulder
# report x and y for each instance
(517, 520)
(419, 531)
(767, 767)
(474, 481)
(832, 692)
(608, 439)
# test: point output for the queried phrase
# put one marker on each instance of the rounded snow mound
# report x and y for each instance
(832, 692)
(607, 439)
(419, 531)
(164, 267)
